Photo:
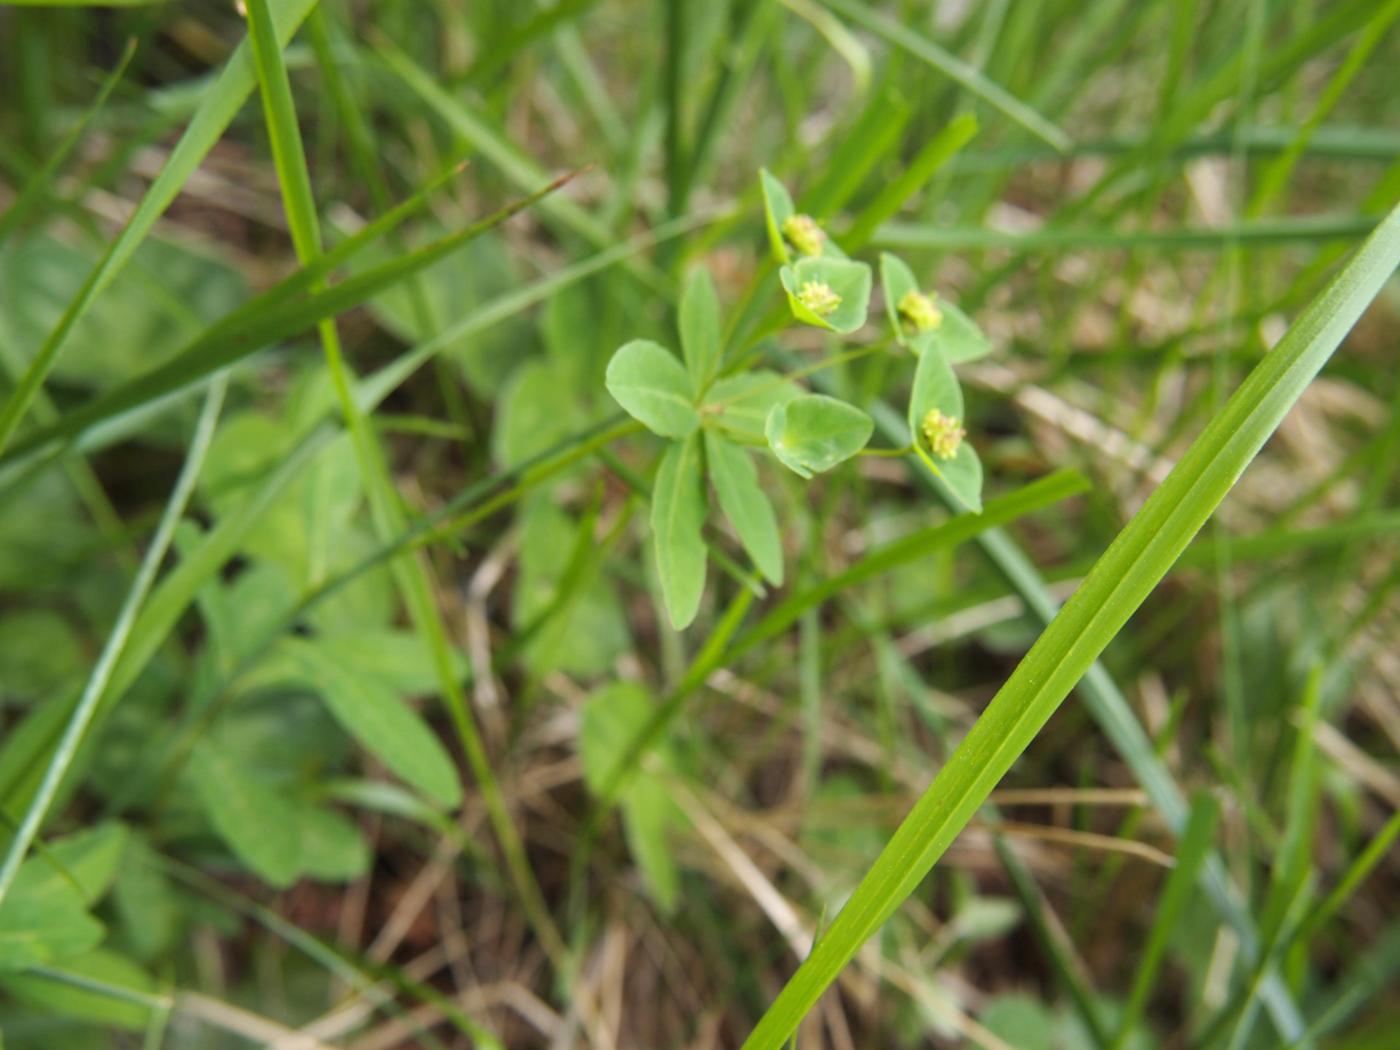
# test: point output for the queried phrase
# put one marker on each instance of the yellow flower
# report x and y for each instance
(944, 434)
(803, 233)
(818, 297)
(919, 312)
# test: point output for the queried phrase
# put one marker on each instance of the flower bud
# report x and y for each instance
(918, 311)
(803, 233)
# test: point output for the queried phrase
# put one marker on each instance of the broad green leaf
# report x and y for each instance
(147, 905)
(648, 815)
(701, 338)
(936, 389)
(44, 918)
(103, 966)
(89, 858)
(1019, 1021)
(812, 433)
(251, 816)
(588, 633)
(39, 655)
(534, 413)
(652, 386)
(613, 717)
(332, 848)
(777, 209)
(1114, 589)
(740, 404)
(807, 280)
(369, 710)
(677, 517)
(745, 504)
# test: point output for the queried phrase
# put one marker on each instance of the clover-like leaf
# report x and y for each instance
(936, 423)
(745, 504)
(813, 433)
(956, 335)
(677, 517)
(828, 292)
(651, 384)
(701, 342)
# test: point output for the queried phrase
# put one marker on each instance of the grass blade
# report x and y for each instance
(968, 77)
(1128, 571)
(62, 757)
(1190, 854)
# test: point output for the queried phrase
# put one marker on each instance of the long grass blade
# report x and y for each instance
(62, 757)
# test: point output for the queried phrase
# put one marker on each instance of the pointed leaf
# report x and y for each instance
(701, 340)
(958, 337)
(745, 504)
(936, 387)
(677, 516)
(813, 433)
(652, 386)
(371, 712)
(249, 815)
(896, 281)
(777, 209)
(848, 280)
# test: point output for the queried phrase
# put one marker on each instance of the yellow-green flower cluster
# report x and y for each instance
(818, 297)
(803, 233)
(943, 433)
(919, 311)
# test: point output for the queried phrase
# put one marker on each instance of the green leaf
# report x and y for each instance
(534, 413)
(677, 516)
(745, 504)
(613, 717)
(936, 387)
(90, 858)
(896, 281)
(44, 918)
(332, 848)
(1112, 591)
(957, 337)
(812, 433)
(369, 710)
(102, 966)
(250, 815)
(701, 340)
(777, 209)
(652, 386)
(849, 280)
(740, 404)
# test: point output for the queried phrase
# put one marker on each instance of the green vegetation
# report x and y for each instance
(545, 525)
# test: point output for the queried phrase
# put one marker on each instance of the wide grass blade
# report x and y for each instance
(1128, 571)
